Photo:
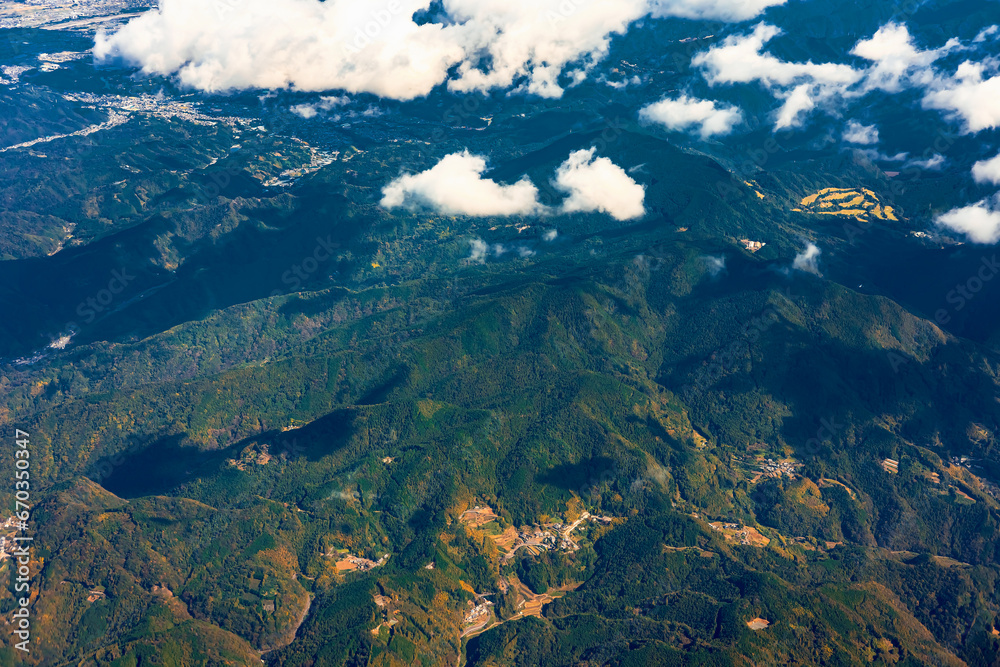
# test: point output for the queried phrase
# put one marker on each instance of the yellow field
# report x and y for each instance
(850, 203)
(346, 566)
(853, 212)
(478, 517)
(746, 535)
(506, 539)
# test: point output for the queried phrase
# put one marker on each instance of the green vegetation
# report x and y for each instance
(245, 466)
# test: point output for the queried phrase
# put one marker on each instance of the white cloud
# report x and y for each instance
(898, 64)
(306, 111)
(739, 60)
(862, 135)
(933, 163)
(895, 64)
(986, 33)
(715, 264)
(727, 10)
(623, 83)
(980, 222)
(300, 44)
(376, 47)
(598, 184)
(534, 40)
(798, 103)
(550, 235)
(879, 156)
(325, 104)
(895, 59)
(808, 259)
(969, 96)
(686, 113)
(455, 186)
(478, 251)
(987, 171)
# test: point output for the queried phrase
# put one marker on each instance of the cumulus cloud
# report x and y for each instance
(987, 171)
(505, 41)
(550, 235)
(598, 184)
(895, 63)
(980, 222)
(686, 113)
(739, 59)
(895, 58)
(378, 47)
(308, 111)
(969, 96)
(808, 259)
(300, 44)
(726, 10)
(455, 186)
(862, 135)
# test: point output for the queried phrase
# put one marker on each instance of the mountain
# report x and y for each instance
(275, 418)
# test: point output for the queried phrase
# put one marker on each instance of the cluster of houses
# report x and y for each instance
(478, 613)
(552, 536)
(744, 535)
(359, 564)
(10, 528)
(772, 468)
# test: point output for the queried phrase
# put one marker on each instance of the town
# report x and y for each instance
(66, 14)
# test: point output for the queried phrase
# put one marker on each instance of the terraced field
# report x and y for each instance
(862, 204)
